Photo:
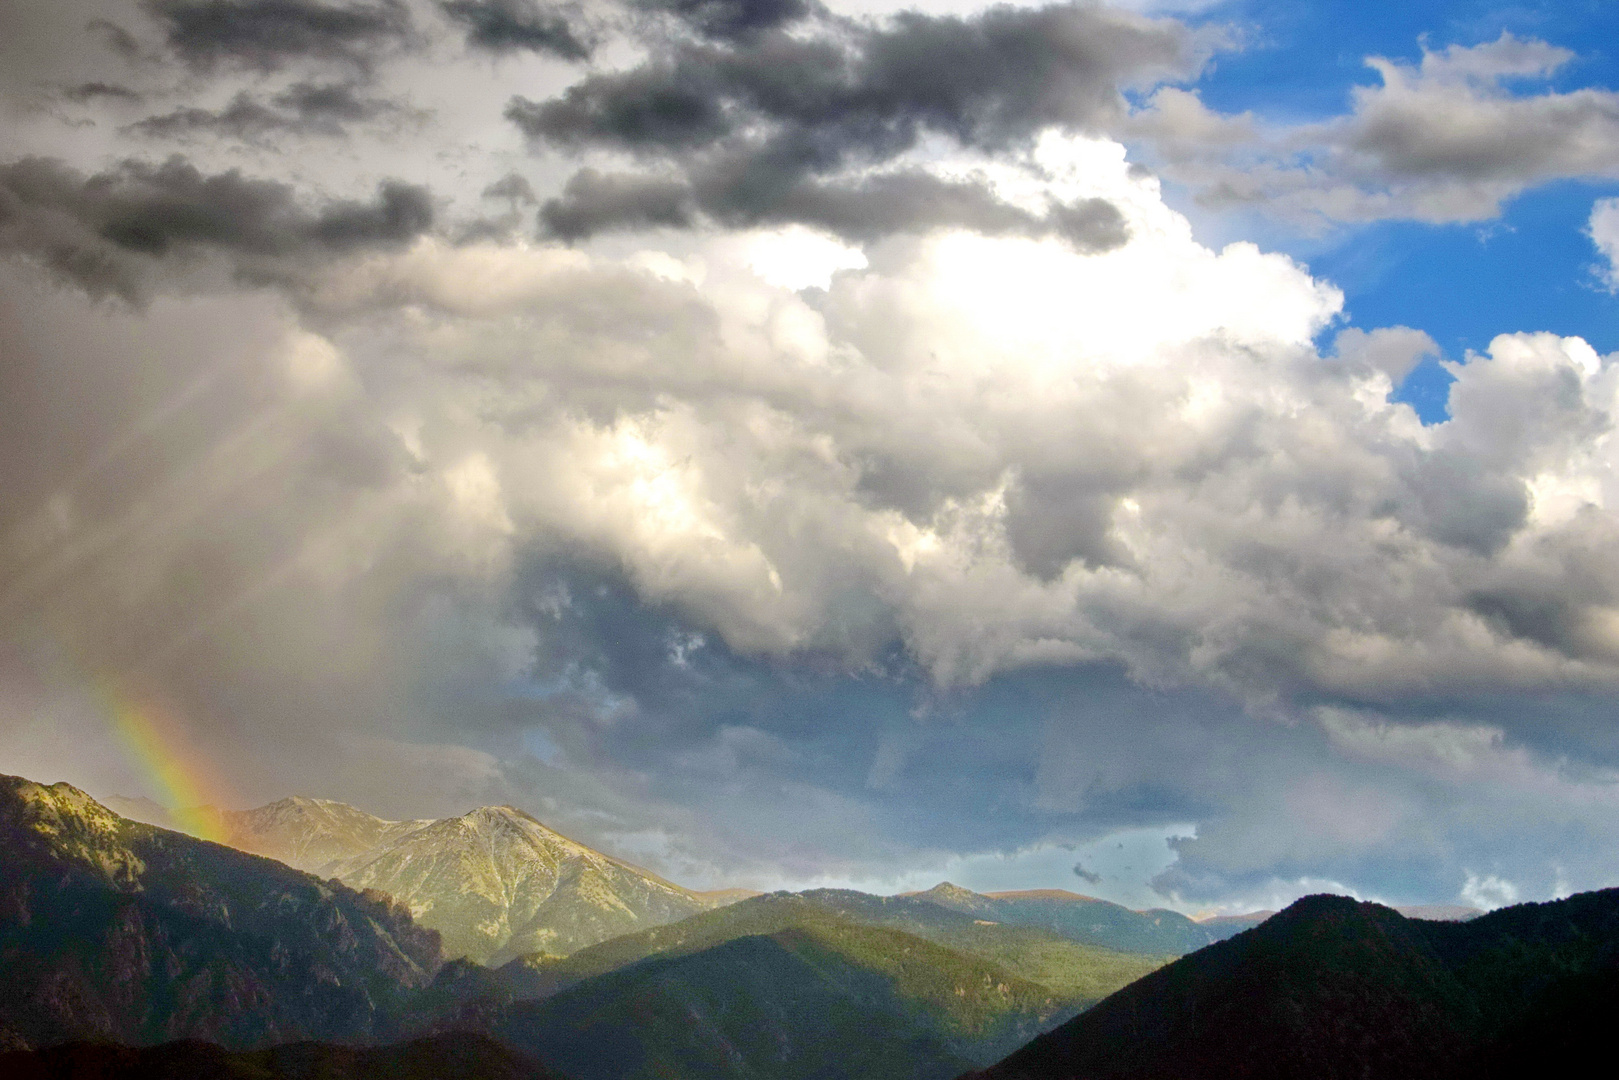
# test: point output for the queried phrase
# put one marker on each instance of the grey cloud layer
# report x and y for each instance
(732, 19)
(110, 232)
(910, 201)
(303, 108)
(759, 128)
(269, 34)
(501, 26)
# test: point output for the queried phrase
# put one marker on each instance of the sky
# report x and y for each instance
(1161, 451)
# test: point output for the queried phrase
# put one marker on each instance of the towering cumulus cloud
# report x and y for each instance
(835, 462)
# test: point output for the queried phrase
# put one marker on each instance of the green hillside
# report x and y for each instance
(833, 980)
(1068, 971)
(825, 998)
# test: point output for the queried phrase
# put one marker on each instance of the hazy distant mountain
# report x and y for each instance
(312, 834)
(1439, 912)
(1333, 988)
(497, 884)
(306, 834)
(793, 988)
(1228, 925)
(1086, 919)
(1073, 970)
(118, 930)
(461, 1056)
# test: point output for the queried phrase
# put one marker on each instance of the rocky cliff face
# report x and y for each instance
(498, 884)
(113, 929)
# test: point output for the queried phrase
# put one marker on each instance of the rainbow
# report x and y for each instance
(184, 779)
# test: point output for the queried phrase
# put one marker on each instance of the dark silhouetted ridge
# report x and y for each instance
(1335, 988)
(457, 1056)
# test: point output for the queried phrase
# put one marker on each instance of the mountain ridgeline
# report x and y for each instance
(1085, 918)
(498, 885)
(1334, 988)
(823, 983)
(116, 930)
(495, 883)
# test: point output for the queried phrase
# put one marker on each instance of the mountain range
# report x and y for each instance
(832, 983)
(495, 883)
(125, 933)
(1085, 918)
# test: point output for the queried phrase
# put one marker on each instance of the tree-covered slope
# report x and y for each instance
(1069, 972)
(1333, 988)
(821, 998)
(117, 930)
(899, 969)
(457, 1056)
(1079, 972)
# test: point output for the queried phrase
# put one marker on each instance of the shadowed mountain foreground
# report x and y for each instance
(442, 1057)
(1334, 988)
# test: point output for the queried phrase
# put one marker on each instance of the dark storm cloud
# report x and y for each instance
(512, 186)
(91, 91)
(503, 26)
(988, 81)
(302, 109)
(761, 125)
(907, 201)
(118, 39)
(731, 19)
(594, 202)
(266, 35)
(619, 684)
(106, 231)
